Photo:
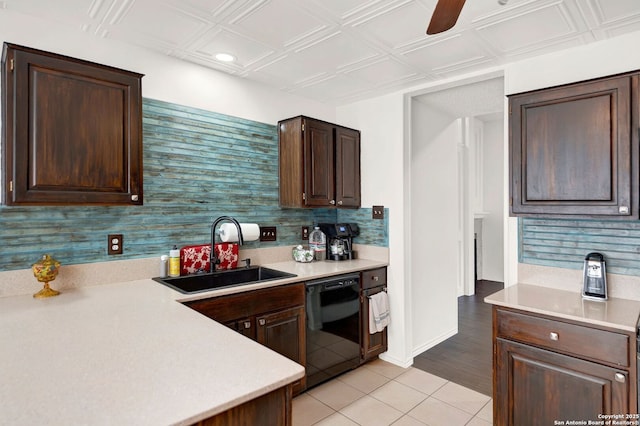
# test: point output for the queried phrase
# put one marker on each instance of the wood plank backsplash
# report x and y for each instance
(564, 243)
(198, 165)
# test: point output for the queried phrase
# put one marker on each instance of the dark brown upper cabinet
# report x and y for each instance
(319, 164)
(574, 150)
(72, 131)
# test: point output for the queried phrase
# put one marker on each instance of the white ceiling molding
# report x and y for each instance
(340, 51)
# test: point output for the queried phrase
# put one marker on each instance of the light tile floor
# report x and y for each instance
(380, 394)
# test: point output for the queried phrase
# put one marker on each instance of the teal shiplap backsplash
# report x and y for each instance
(198, 165)
(565, 243)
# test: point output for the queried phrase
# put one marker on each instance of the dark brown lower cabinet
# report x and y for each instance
(538, 387)
(374, 344)
(278, 329)
(272, 316)
(548, 371)
(371, 345)
(272, 409)
(284, 332)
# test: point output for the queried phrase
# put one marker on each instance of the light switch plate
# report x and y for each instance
(267, 233)
(377, 212)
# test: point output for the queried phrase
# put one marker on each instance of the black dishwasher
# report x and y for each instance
(333, 327)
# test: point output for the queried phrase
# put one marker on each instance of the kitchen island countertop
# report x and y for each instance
(129, 353)
(617, 313)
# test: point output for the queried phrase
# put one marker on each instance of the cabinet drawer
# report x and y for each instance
(374, 278)
(580, 341)
(240, 305)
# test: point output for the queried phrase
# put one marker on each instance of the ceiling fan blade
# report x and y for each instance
(445, 15)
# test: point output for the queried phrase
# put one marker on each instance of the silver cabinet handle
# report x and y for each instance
(340, 202)
(620, 377)
(375, 278)
(553, 336)
(134, 197)
(332, 202)
(247, 324)
(263, 321)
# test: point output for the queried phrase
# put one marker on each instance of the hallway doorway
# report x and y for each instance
(466, 358)
(453, 196)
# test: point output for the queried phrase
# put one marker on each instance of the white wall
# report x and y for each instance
(383, 157)
(493, 197)
(166, 79)
(435, 225)
(386, 180)
(616, 55)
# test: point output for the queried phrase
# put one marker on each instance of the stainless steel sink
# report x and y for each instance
(221, 279)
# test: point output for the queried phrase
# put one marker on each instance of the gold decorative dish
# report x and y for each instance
(45, 271)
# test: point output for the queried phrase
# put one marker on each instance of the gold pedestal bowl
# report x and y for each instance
(45, 271)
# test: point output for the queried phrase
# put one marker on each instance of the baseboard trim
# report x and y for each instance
(431, 343)
(406, 363)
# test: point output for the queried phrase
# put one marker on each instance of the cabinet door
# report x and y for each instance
(284, 332)
(319, 164)
(573, 151)
(372, 345)
(537, 387)
(291, 163)
(347, 167)
(73, 133)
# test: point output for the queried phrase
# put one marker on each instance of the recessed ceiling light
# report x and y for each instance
(225, 57)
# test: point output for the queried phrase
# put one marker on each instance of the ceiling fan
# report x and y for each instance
(446, 14)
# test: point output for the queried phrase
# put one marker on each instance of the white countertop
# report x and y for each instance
(129, 353)
(616, 313)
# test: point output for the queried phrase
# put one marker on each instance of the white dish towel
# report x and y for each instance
(378, 312)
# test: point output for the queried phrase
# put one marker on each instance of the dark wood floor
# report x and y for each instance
(466, 358)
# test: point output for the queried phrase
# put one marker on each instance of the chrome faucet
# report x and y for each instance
(214, 260)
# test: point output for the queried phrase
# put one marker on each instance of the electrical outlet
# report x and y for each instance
(267, 233)
(114, 244)
(305, 232)
(378, 212)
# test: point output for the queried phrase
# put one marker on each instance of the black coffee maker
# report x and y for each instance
(340, 239)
